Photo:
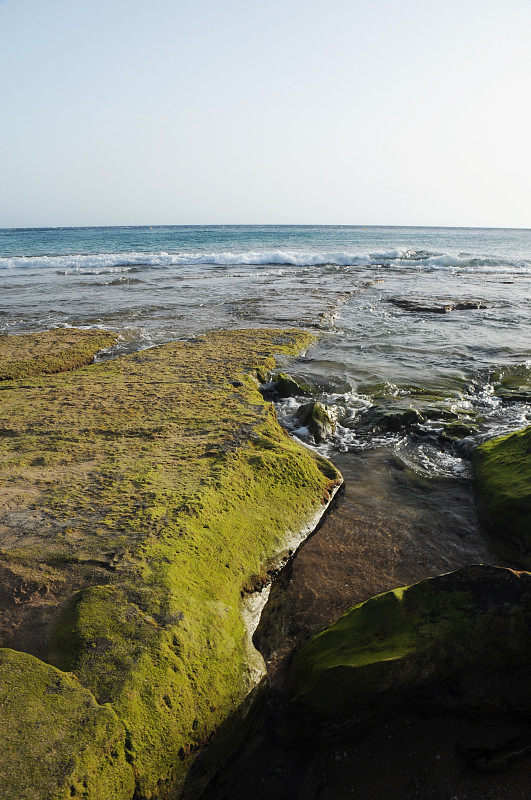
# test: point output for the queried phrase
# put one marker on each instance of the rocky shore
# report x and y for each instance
(417, 692)
(140, 497)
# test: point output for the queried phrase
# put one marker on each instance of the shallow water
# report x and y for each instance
(155, 284)
(389, 527)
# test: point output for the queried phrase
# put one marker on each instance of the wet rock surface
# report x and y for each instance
(391, 418)
(286, 386)
(318, 419)
(513, 383)
(387, 527)
(438, 306)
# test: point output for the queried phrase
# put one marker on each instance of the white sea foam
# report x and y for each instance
(426, 459)
(466, 261)
(105, 262)
(108, 261)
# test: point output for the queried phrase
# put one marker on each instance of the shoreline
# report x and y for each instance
(241, 475)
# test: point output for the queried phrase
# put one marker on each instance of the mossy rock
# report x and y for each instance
(56, 742)
(318, 419)
(286, 386)
(60, 350)
(513, 383)
(502, 476)
(456, 642)
(140, 495)
(455, 431)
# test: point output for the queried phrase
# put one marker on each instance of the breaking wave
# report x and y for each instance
(98, 263)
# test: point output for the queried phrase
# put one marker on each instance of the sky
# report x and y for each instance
(372, 112)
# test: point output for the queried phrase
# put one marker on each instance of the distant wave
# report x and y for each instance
(101, 263)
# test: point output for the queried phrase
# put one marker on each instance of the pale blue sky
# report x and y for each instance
(415, 112)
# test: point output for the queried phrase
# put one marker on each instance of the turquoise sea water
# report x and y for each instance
(156, 284)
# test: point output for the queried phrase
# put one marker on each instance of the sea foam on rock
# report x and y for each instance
(319, 420)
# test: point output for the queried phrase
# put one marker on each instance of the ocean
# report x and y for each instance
(373, 295)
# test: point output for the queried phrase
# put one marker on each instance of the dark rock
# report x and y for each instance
(499, 755)
(391, 418)
(286, 386)
(457, 431)
(465, 305)
(437, 307)
(318, 419)
(457, 642)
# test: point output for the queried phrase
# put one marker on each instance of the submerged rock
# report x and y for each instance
(437, 307)
(318, 419)
(379, 419)
(502, 476)
(140, 495)
(439, 419)
(454, 432)
(513, 383)
(456, 642)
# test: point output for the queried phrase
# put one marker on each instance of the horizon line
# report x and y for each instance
(263, 225)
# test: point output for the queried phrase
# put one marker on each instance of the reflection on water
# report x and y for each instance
(389, 527)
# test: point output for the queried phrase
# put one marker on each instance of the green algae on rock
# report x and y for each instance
(57, 742)
(140, 495)
(502, 474)
(287, 386)
(456, 642)
(318, 419)
(60, 350)
(513, 383)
